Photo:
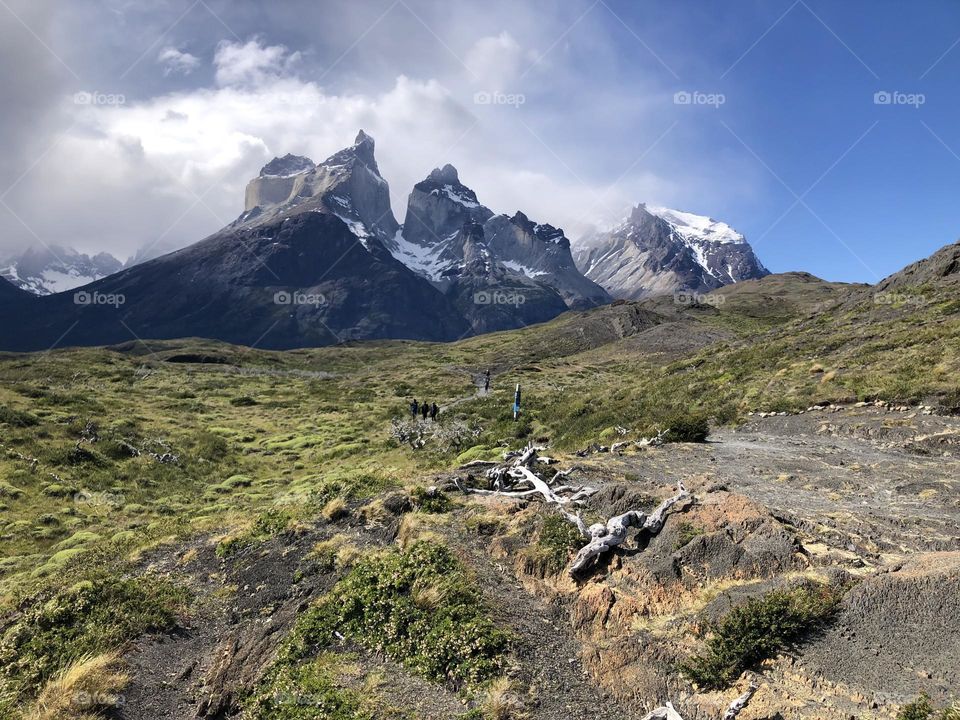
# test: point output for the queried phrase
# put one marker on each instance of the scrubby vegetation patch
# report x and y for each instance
(758, 630)
(420, 607)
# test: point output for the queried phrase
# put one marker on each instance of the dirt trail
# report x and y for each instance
(549, 656)
(888, 480)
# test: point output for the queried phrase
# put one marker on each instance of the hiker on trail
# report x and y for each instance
(414, 409)
(433, 412)
(424, 409)
(486, 382)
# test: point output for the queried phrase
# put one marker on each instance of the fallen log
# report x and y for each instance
(603, 537)
(668, 712)
(518, 480)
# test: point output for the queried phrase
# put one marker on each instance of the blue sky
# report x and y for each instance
(568, 111)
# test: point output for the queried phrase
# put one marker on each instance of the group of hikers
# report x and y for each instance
(424, 410)
(431, 410)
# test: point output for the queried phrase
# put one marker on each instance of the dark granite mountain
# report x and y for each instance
(309, 269)
(658, 251)
(431, 242)
(490, 295)
(10, 293)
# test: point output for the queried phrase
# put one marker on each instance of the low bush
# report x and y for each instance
(17, 418)
(431, 500)
(420, 607)
(306, 692)
(758, 630)
(268, 524)
(557, 539)
(687, 428)
(92, 617)
(686, 533)
(922, 709)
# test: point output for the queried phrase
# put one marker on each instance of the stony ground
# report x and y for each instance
(865, 491)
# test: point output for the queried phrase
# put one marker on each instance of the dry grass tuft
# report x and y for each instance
(83, 689)
(501, 702)
(335, 509)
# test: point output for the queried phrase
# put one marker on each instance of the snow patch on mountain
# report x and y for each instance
(48, 270)
(456, 197)
(698, 227)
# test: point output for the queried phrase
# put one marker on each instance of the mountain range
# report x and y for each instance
(51, 269)
(657, 251)
(317, 257)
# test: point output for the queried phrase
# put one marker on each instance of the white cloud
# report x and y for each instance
(173, 167)
(177, 61)
(252, 63)
(496, 61)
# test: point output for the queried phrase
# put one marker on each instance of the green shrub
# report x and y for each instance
(919, 709)
(758, 630)
(305, 692)
(556, 540)
(269, 523)
(17, 418)
(92, 617)
(687, 428)
(922, 709)
(420, 607)
(243, 401)
(686, 533)
(431, 502)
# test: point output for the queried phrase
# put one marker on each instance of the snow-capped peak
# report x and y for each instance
(698, 227)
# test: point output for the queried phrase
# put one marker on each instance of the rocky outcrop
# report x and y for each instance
(906, 623)
(658, 251)
(432, 245)
(347, 184)
(438, 207)
(543, 252)
(490, 295)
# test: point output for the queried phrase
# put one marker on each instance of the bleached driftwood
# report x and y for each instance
(740, 703)
(518, 480)
(604, 536)
(668, 712)
(656, 441)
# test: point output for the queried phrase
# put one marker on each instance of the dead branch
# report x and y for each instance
(517, 479)
(668, 712)
(604, 537)
(740, 703)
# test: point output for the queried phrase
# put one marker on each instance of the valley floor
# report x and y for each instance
(866, 491)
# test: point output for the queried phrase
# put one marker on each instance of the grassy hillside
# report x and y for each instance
(106, 453)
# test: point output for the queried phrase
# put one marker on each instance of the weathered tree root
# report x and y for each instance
(517, 480)
(667, 712)
(603, 537)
